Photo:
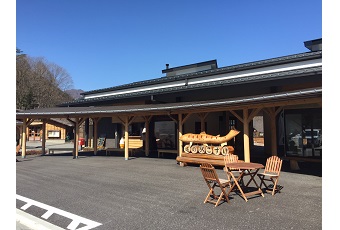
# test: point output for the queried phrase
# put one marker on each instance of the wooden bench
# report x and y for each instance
(52, 150)
(293, 161)
(162, 151)
(135, 145)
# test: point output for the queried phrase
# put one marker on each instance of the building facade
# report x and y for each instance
(286, 92)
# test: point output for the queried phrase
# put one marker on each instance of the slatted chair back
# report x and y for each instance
(230, 158)
(212, 179)
(273, 165)
(209, 172)
(271, 174)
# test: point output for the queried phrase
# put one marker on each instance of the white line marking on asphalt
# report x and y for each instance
(32, 222)
(76, 220)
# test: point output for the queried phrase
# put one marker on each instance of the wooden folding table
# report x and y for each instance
(246, 169)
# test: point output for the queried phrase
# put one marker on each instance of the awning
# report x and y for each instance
(306, 96)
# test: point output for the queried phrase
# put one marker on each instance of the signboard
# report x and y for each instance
(53, 133)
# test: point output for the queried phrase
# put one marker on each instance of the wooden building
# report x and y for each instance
(286, 91)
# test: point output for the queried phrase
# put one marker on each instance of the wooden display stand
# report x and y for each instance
(191, 158)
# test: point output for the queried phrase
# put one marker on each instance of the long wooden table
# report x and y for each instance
(246, 169)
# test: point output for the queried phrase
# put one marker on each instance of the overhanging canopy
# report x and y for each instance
(306, 96)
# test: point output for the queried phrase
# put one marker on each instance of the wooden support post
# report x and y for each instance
(95, 135)
(273, 112)
(273, 135)
(180, 133)
(147, 135)
(147, 138)
(23, 139)
(227, 120)
(126, 136)
(246, 136)
(21, 131)
(75, 143)
(26, 122)
(78, 123)
(76, 139)
(203, 117)
(43, 140)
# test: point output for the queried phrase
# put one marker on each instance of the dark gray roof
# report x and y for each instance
(181, 107)
(248, 79)
(227, 69)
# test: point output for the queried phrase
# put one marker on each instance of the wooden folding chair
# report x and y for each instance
(17, 149)
(230, 158)
(271, 173)
(211, 178)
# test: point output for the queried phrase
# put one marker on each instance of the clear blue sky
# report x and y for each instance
(105, 43)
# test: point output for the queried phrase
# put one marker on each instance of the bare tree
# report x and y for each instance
(61, 77)
(39, 82)
(24, 91)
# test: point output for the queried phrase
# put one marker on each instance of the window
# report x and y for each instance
(165, 133)
(303, 132)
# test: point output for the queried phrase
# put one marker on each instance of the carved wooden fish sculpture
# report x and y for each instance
(204, 138)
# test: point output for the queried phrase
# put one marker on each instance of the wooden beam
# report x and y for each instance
(130, 119)
(169, 115)
(71, 121)
(121, 119)
(30, 121)
(254, 112)
(237, 116)
(81, 120)
(278, 110)
(202, 117)
(185, 117)
(147, 118)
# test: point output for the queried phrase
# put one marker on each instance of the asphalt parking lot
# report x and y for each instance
(157, 193)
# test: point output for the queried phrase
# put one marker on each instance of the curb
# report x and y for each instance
(33, 222)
